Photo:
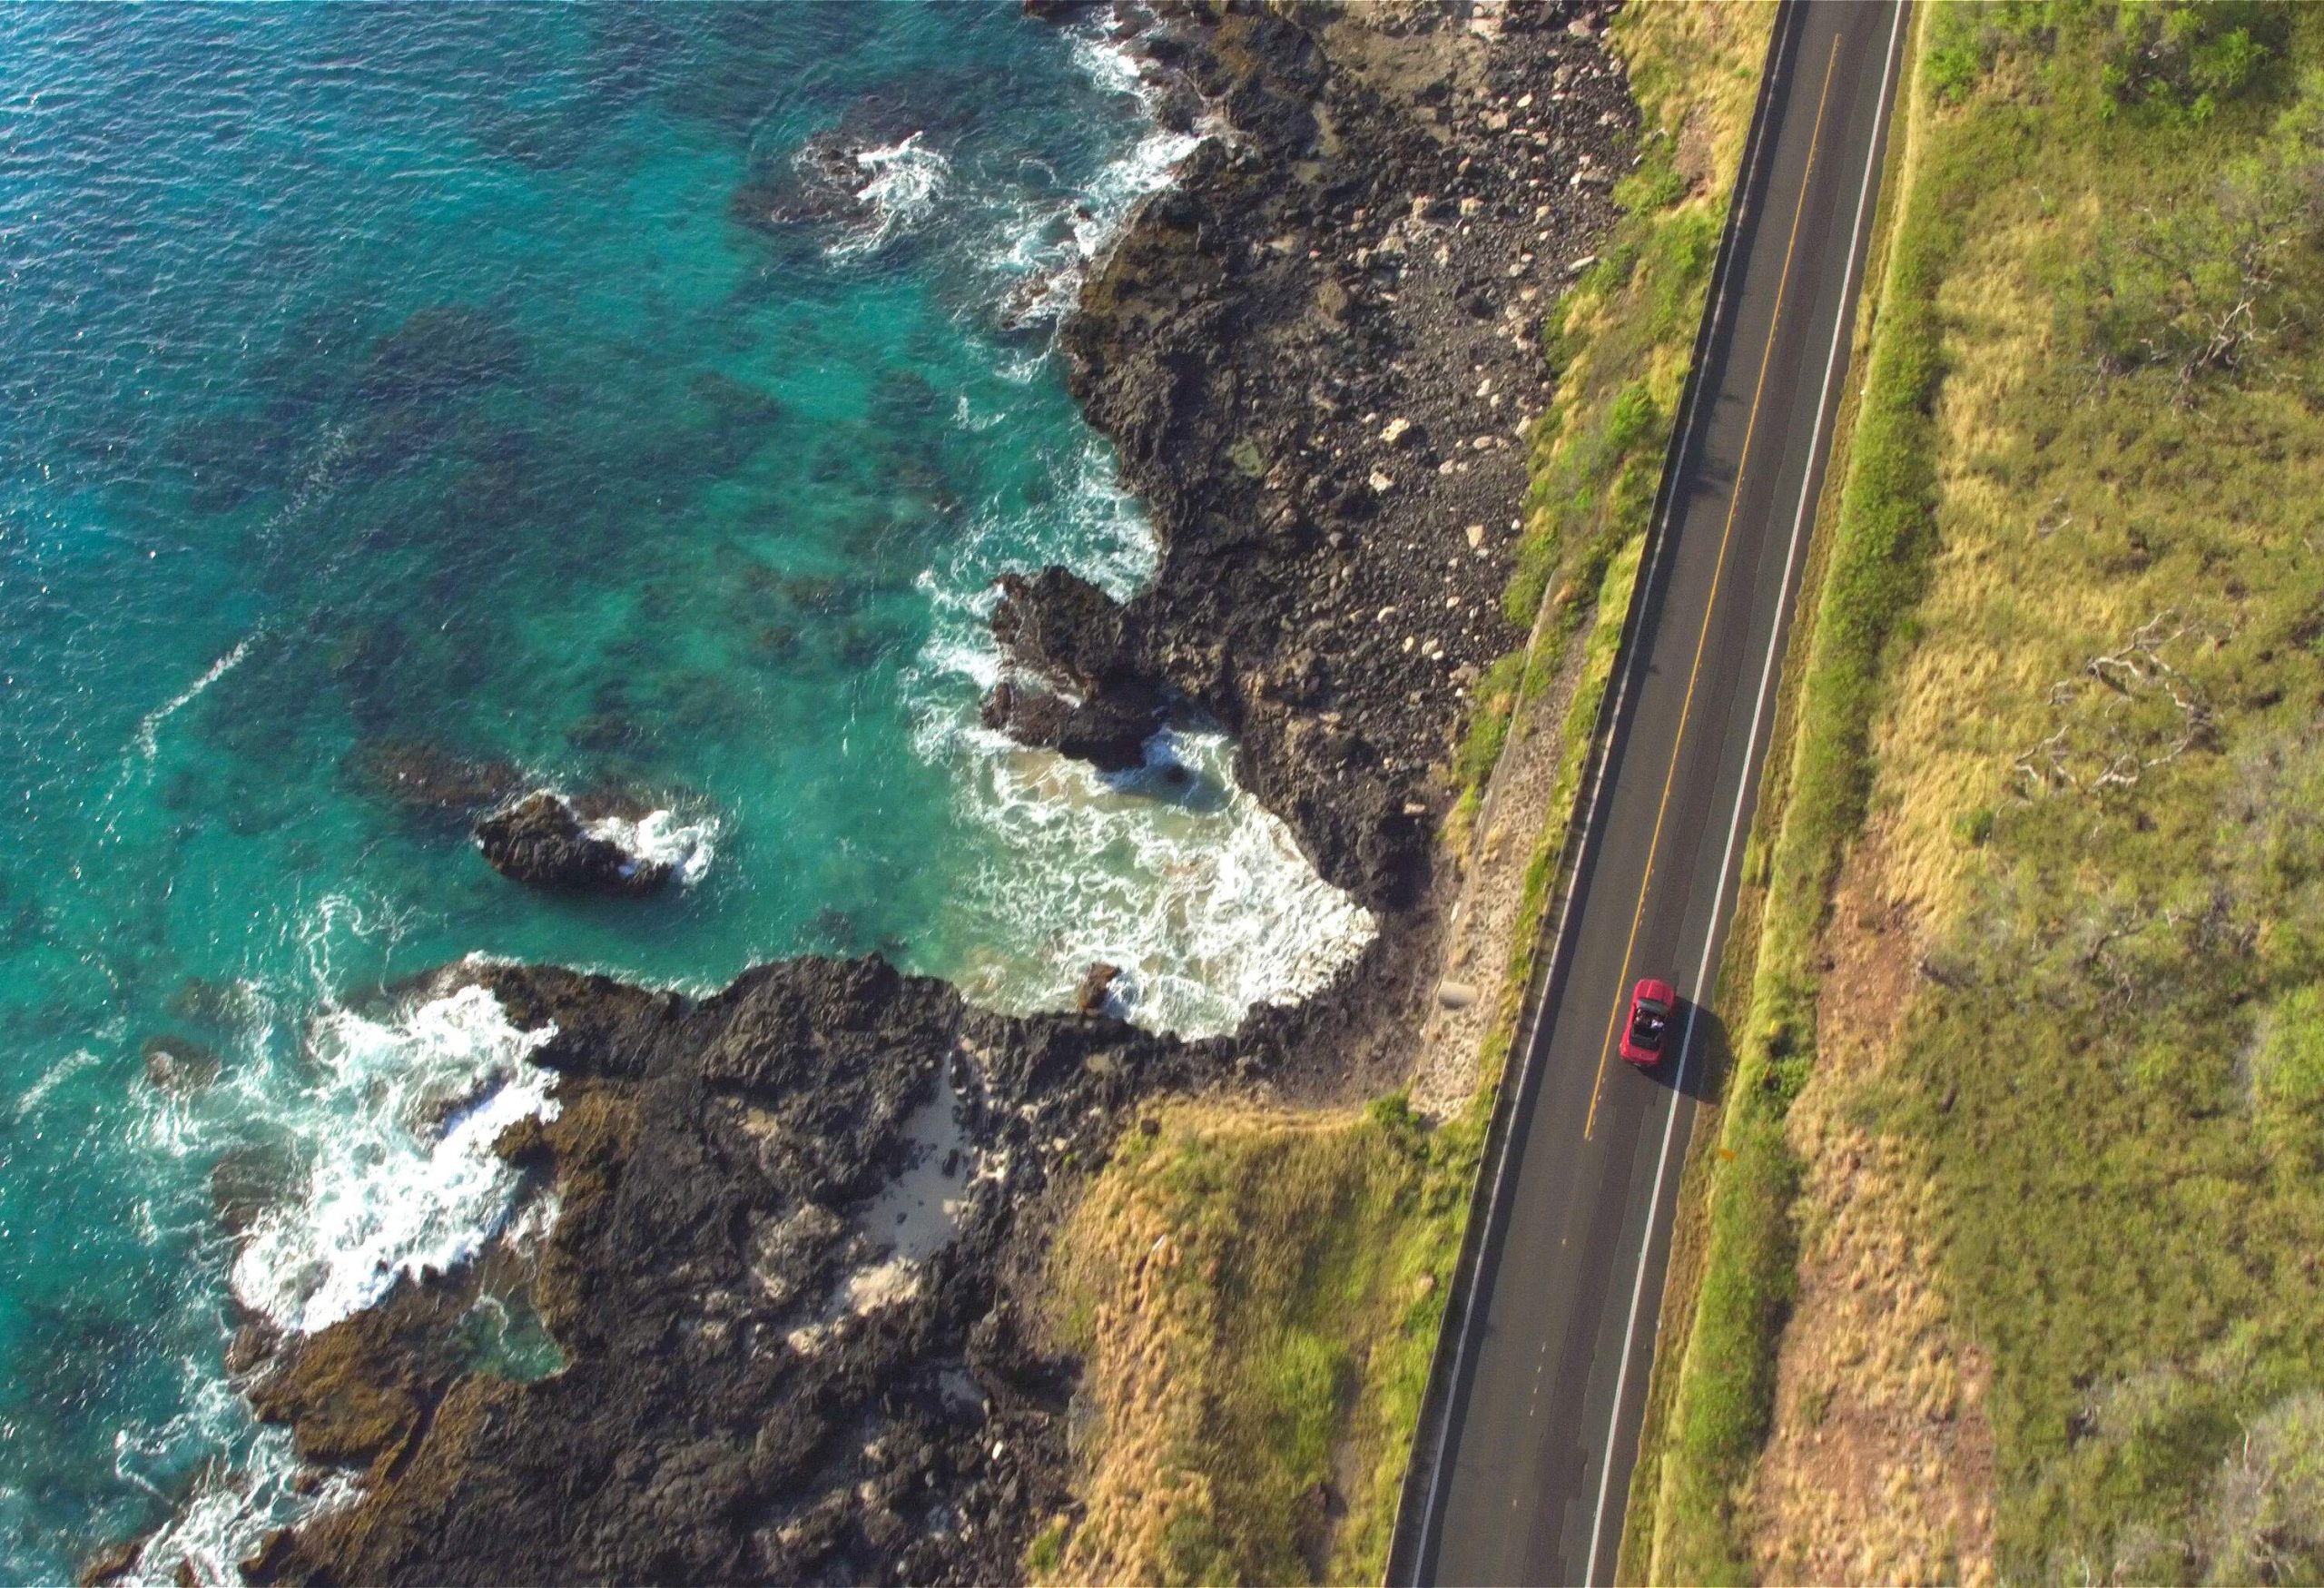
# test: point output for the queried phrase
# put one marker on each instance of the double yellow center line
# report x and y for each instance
(1719, 574)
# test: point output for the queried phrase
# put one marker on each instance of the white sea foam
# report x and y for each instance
(1111, 64)
(398, 1130)
(391, 1120)
(904, 183)
(149, 731)
(1046, 249)
(231, 1509)
(56, 1075)
(662, 838)
(1173, 872)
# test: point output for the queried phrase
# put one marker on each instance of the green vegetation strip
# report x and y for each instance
(2111, 1067)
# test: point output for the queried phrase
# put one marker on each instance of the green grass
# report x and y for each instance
(1620, 338)
(1283, 1350)
(2112, 1070)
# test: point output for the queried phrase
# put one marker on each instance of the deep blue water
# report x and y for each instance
(383, 380)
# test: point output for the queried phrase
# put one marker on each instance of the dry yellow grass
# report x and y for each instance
(1695, 67)
(1234, 1282)
(1994, 629)
(1879, 1464)
(2016, 1346)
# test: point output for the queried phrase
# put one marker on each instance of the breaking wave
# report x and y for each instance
(1172, 872)
(663, 838)
(397, 1131)
(903, 184)
(227, 1516)
(1047, 248)
(149, 731)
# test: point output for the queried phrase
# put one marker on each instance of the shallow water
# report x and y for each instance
(383, 376)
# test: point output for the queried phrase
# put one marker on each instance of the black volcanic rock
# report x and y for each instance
(1097, 994)
(1061, 627)
(730, 1409)
(1026, 712)
(539, 841)
(1330, 582)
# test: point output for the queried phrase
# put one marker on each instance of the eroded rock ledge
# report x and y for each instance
(1297, 352)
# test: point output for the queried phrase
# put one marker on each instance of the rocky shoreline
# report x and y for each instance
(1317, 355)
(799, 1222)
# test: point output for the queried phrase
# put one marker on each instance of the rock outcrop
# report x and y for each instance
(541, 841)
(763, 1380)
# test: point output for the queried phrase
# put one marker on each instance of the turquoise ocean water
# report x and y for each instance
(384, 376)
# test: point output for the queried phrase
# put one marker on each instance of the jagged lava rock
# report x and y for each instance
(541, 841)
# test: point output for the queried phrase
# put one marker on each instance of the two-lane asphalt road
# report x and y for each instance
(1525, 1476)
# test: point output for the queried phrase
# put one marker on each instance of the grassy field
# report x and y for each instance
(1257, 1293)
(1239, 1284)
(2057, 730)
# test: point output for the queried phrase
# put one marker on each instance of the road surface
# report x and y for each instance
(1527, 1473)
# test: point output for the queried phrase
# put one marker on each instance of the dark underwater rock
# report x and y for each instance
(430, 780)
(541, 841)
(441, 353)
(178, 1064)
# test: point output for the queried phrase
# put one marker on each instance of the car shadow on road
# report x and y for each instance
(1703, 1068)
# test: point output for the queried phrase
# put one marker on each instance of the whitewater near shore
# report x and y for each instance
(732, 1284)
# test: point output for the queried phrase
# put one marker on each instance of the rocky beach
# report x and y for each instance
(787, 1230)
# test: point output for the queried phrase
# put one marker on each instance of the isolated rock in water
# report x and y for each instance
(178, 1064)
(1098, 988)
(539, 841)
(821, 182)
(246, 1181)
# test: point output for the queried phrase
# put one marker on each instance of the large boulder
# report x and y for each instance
(541, 841)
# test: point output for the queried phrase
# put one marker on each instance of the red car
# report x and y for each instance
(1652, 1002)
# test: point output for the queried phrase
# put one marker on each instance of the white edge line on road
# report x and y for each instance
(1742, 791)
(1628, 665)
